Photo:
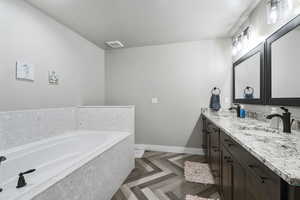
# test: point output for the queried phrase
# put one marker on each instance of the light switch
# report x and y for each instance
(155, 100)
(24, 71)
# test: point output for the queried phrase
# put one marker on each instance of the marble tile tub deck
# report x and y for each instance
(280, 152)
(160, 176)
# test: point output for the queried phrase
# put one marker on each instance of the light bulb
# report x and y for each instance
(234, 50)
(239, 46)
(273, 17)
(274, 11)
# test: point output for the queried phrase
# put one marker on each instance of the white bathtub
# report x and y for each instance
(53, 159)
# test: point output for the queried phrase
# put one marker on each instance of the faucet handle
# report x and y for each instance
(21, 180)
(284, 109)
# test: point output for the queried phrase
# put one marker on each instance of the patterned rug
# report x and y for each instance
(198, 173)
(160, 176)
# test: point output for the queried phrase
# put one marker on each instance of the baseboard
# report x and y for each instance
(138, 153)
(171, 149)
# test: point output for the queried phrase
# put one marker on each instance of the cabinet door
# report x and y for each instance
(227, 172)
(262, 187)
(239, 181)
(215, 155)
(204, 133)
(208, 143)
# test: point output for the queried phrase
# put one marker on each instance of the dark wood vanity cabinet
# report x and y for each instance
(213, 150)
(226, 172)
(233, 182)
(238, 174)
(239, 181)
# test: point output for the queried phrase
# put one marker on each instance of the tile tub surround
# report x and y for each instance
(280, 152)
(26, 126)
(107, 118)
(112, 166)
(99, 179)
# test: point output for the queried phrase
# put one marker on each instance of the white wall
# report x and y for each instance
(28, 35)
(180, 76)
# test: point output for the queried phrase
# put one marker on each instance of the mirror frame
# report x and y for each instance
(294, 23)
(261, 50)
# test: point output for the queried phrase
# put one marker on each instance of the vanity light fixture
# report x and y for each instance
(239, 42)
(274, 9)
(246, 36)
(246, 33)
(234, 46)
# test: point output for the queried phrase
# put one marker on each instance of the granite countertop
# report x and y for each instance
(279, 151)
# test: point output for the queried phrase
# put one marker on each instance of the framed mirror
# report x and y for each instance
(248, 77)
(283, 65)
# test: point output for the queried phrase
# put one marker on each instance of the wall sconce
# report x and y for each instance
(239, 42)
(278, 9)
(247, 33)
(246, 36)
(274, 11)
(234, 46)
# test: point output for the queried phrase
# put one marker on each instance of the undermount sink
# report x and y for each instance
(257, 128)
(225, 115)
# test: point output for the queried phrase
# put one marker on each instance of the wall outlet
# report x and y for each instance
(24, 71)
(154, 100)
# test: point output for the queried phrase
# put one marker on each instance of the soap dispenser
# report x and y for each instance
(274, 122)
(242, 112)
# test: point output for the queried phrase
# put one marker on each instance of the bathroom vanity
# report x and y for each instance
(250, 161)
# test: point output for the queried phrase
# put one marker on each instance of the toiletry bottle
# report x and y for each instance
(274, 122)
(242, 112)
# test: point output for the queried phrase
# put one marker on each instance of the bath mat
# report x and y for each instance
(198, 173)
(190, 197)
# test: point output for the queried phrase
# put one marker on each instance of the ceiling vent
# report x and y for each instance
(114, 44)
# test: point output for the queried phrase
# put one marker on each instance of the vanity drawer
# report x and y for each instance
(212, 128)
(262, 183)
(262, 186)
(234, 148)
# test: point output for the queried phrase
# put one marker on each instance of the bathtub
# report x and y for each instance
(57, 158)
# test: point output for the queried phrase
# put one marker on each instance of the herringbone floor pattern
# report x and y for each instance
(160, 176)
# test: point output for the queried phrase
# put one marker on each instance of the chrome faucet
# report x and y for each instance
(2, 159)
(238, 110)
(286, 119)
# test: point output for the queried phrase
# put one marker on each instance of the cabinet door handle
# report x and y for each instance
(230, 144)
(229, 161)
(216, 129)
(253, 166)
(227, 157)
(262, 179)
(227, 140)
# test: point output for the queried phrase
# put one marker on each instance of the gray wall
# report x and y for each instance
(29, 36)
(261, 30)
(180, 76)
